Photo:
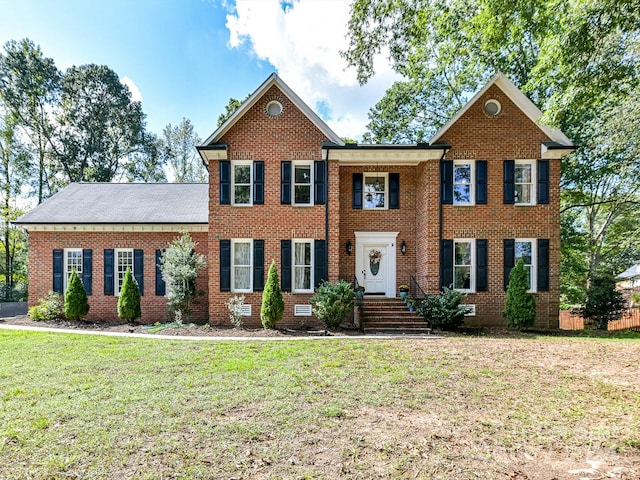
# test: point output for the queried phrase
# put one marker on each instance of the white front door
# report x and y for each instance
(375, 268)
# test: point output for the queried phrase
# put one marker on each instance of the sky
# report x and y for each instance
(187, 58)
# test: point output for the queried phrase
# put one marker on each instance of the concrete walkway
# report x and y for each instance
(215, 338)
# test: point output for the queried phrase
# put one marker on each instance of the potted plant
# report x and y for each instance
(411, 304)
(404, 291)
(359, 291)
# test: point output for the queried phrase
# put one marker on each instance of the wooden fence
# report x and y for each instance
(630, 321)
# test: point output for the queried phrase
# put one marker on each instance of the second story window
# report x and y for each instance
(524, 173)
(302, 182)
(463, 183)
(242, 183)
(375, 191)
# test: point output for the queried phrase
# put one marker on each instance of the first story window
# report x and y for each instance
(375, 191)
(524, 249)
(462, 183)
(72, 261)
(302, 266)
(242, 265)
(463, 265)
(124, 261)
(302, 181)
(242, 183)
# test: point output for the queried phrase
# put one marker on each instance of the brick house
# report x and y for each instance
(284, 187)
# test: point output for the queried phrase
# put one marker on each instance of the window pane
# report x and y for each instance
(462, 278)
(302, 266)
(462, 253)
(242, 174)
(302, 194)
(462, 194)
(522, 173)
(242, 278)
(523, 250)
(522, 193)
(242, 194)
(241, 254)
(302, 174)
(462, 173)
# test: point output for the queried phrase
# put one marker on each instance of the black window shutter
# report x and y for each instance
(446, 183)
(543, 181)
(225, 182)
(258, 182)
(161, 288)
(87, 270)
(285, 183)
(285, 261)
(225, 265)
(357, 191)
(320, 182)
(509, 172)
(446, 263)
(58, 266)
(543, 265)
(108, 271)
(509, 259)
(394, 190)
(138, 269)
(481, 182)
(482, 270)
(258, 265)
(319, 261)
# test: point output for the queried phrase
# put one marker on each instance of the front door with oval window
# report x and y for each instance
(374, 268)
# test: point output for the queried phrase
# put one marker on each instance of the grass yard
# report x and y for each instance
(87, 407)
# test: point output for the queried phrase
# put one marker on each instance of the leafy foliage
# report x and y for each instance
(604, 302)
(520, 306)
(178, 149)
(180, 265)
(76, 303)
(129, 299)
(235, 305)
(332, 302)
(272, 307)
(442, 310)
(48, 308)
(230, 109)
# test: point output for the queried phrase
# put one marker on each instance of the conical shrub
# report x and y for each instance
(129, 300)
(272, 302)
(76, 303)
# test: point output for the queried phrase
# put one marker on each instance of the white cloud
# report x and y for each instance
(136, 96)
(302, 41)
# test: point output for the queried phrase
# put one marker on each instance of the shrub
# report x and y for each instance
(129, 299)
(272, 303)
(443, 310)
(235, 305)
(76, 303)
(603, 303)
(520, 306)
(332, 302)
(48, 308)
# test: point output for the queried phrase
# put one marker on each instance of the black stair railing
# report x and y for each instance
(416, 292)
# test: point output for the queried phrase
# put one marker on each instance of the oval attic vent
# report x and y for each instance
(492, 107)
(274, 108)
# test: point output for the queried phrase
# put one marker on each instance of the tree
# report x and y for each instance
(332, 302)
(230, 109)
(443, 310)
(98, 125)
(76, 303)
(180, 265)
(520, 306)
(129, 299)
(604, 302)
(29, 88)
(272, 302)
(178, 149)
(146, 164)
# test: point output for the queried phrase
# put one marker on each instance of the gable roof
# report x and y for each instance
(631, 272)
(519, 99)
(272, 80)
(123, 203)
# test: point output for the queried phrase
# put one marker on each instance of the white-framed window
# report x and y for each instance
(72, 261)
(525, 248)
(303, 266)
(242, 181)
(302, 183)
(524, 174)
(463, 175)
(375, 191)
(124, 260)
(464, 264)
(242, 265)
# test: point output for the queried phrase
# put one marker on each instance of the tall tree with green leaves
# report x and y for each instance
(230, 109)
(147, 163)
(178, 148)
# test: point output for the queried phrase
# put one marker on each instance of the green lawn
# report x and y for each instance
(74, 406)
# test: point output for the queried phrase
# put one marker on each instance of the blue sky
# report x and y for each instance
(187, 58)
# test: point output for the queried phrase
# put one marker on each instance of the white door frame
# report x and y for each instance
(388, 238)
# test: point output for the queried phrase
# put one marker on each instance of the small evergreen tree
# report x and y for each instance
(603, 303)
(332, 302)
(129, 299)
(272, 303)
(76, 303)
(520, 307)
(180, 265)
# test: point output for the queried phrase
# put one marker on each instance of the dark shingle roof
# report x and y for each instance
(109, 203)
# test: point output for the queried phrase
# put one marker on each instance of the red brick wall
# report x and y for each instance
(154, 308)
(256, 136)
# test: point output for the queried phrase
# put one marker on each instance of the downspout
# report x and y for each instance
(440, 228)
(326, 210)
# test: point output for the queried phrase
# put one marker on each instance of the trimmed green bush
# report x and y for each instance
(604, 302)
(48, 308)
(272, 303)
(442, 310)
(332, 302)
(129, 299)
(76, 303)
(520, 306)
